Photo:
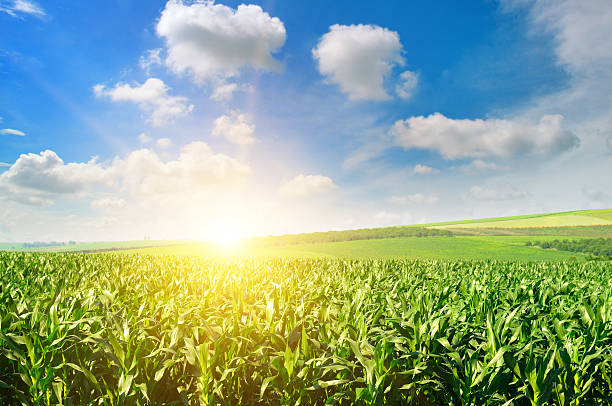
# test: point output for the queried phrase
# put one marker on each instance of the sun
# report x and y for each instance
(227, 239)
(226, 235)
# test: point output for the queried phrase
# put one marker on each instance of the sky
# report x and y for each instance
(126, 119)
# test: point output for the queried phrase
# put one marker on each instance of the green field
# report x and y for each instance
(468, 316)
(117, 329)
(466, 248)
(569, 220)
(500, 238)
(600, 214)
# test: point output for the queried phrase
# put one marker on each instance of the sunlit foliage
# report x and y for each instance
(134, 330)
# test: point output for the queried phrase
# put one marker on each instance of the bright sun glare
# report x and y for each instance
(226, 235)
(227, 239)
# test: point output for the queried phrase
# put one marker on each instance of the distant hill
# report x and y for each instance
(574, 224)
(582, 223)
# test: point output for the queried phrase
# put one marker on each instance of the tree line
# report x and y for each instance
(599, 247)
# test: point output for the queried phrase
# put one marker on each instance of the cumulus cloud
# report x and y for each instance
(10, 131)
(150, 58)
(197, 169)
(46, 172)
(465, 138)
(236, 128)
(492, 194)
(210, 40)
(358, 58)
(152, 97)
(16, 7)
(224, 92)
(407, 83)
(107, 203)
(164, 142)
(424, 170)
(414, 198)
(41, 178)
(307, 185)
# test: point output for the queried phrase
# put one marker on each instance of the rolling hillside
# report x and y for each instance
(503, 238)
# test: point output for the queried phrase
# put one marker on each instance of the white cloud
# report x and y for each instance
(580, 33)
(224, 92)
(47, 173)
(236, 128)
(29, 200)
(358, 58)
(478, 165)
(212, 40)
(109, 203)
(4, 164)
(424, 169)
(144, 138)
(17, 7)
(152, 96)
(307, 185)
(12, 132)
(573, 24)
(41, 178)
(364, 153)
(455, 139)
(164, 142)
(609, 144)
(407, 84)
(414, 198)
(151, 57)
(492, 194)
(196, 170)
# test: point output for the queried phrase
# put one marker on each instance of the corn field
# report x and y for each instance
(114, 329)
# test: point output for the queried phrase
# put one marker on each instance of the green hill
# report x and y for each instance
(583, 223)
(502, 238)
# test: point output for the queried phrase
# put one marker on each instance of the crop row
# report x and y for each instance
(118, 329)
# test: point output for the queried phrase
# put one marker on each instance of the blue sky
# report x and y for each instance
(182, 119)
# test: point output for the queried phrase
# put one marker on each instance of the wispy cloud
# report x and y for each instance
(491, 194)
(307, 185)
(413, 198)
(10, 131)
(20, 7)
(424, 169)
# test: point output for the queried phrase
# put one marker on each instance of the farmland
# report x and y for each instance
(494, 311)
(451, 248)
(136, 329)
